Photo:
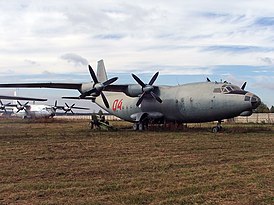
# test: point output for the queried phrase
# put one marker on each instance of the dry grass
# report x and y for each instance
(66, 163)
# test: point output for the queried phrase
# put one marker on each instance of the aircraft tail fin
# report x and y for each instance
(15, 95)
(101, 71)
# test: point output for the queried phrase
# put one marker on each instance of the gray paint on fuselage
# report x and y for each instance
(194, 102)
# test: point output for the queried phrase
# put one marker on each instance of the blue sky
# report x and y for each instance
(187, 41)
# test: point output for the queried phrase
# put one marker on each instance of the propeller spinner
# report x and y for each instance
(147, 88)
(98, 87)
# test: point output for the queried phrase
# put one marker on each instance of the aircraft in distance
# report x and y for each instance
(27, 111)
(144, 103)
(6, 97)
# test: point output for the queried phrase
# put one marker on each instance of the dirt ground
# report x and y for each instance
(64, 162)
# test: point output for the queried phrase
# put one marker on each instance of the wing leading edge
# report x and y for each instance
(21, 98)
(76, 86)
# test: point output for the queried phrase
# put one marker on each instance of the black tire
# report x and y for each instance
(215, 129)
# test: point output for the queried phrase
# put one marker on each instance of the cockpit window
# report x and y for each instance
(229, 88)
(226, 88)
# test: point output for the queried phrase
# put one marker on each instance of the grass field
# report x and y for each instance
(66, 163)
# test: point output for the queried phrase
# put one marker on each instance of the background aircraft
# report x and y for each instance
(142, 103)
(3, 106)
(28, 111)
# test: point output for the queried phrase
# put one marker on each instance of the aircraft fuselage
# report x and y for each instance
(195, 102)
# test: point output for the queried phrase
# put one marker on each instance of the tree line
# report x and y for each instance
(264, 109)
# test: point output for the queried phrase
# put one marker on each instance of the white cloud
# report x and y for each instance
(174, 36)
(75, 59)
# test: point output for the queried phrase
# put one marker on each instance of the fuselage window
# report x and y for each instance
(247, 98)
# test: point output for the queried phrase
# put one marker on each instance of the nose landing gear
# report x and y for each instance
(218, 127)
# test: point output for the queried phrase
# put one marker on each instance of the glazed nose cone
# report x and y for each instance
(255, 101)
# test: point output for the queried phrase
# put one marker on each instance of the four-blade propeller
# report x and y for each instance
(68, 108)
(21, 106)
(147, 88)
(98, 87)
(3, 106)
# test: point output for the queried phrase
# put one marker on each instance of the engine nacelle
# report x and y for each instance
(134, 90)
(246, 113)
(86, 87)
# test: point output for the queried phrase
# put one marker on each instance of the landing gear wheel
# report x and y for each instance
(135, 126)
(141, 126)
(218, 128)
(215, 129)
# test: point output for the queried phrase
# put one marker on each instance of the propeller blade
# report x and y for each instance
(208, 80)
(72, 112)
(26, 104)
(138, 80)
(156, 97)
(140, 99)
(67, 105)
(153, 78)
(105, 100)
(110, 81)
(55, 104)
(72, 106)
(19, 103)
(93, 76)
(243, 86)
(1, 102)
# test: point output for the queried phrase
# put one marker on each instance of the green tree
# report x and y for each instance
(272, 109)
(262, 108)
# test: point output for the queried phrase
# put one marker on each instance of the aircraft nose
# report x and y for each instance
(255, 101)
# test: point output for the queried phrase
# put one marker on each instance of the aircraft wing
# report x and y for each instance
(116, 88)
(43, 85)
(21, 98)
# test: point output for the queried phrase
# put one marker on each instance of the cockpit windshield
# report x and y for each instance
(226, 89)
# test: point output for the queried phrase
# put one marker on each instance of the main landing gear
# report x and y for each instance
(218, 127)
(141, 126)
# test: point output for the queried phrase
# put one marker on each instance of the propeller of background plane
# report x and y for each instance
(56, 107)
(68, 108)
(147, 88)
(21, 106)
(98, 87)
(3, 106)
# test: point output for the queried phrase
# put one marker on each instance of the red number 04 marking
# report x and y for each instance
(117, 105)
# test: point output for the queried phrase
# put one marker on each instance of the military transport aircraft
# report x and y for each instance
(142, 103)
(27, 111)
(3, 106)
